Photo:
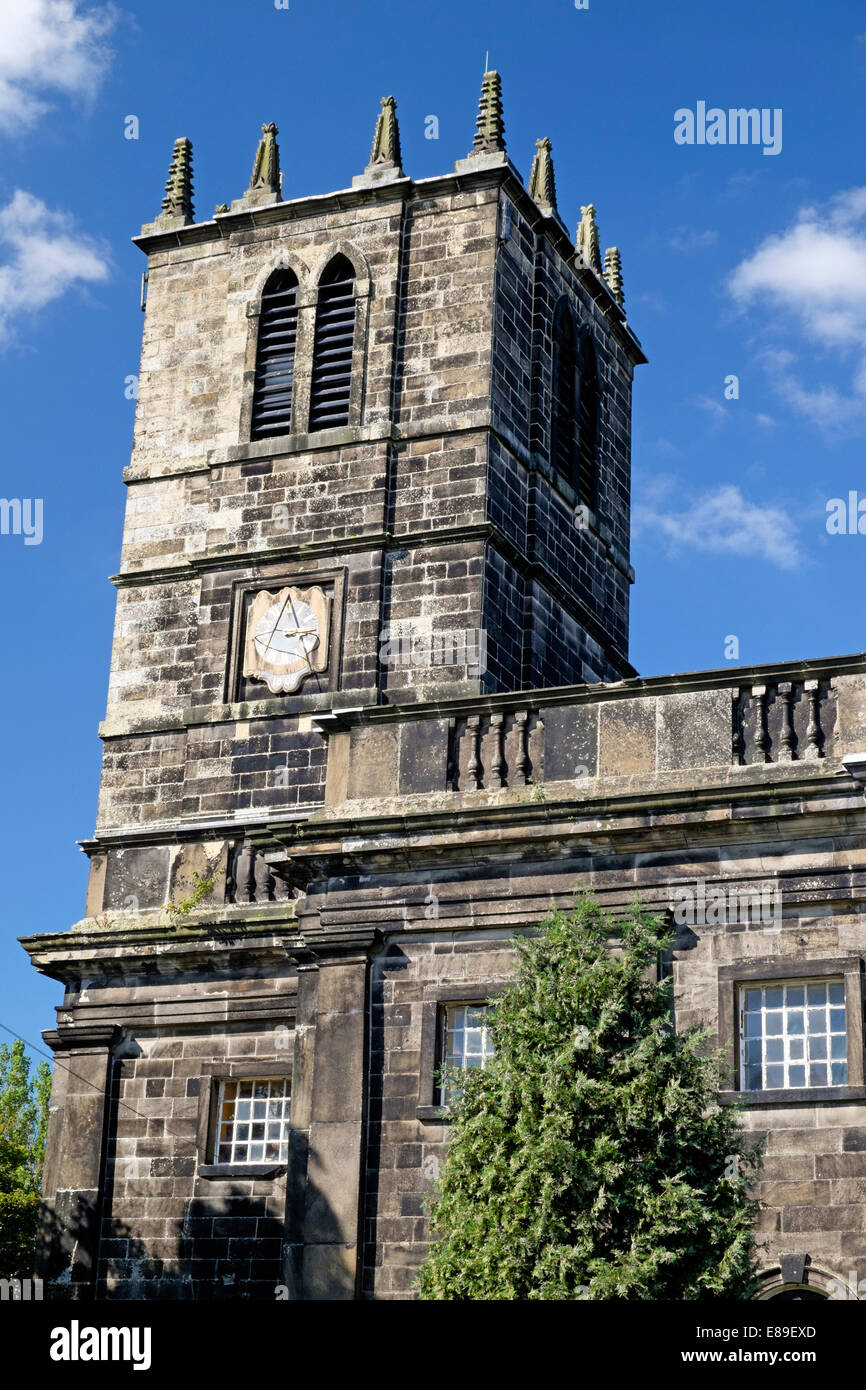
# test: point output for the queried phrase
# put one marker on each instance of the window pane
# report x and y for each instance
(242, 1140)
(467, 1036)
(791, 1037)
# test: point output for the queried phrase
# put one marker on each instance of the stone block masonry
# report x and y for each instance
(292, 883)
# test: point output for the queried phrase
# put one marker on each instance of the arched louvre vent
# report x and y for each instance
(564, 421)
(587, 422)
(275, 356)
(332, 347)
(574, 426)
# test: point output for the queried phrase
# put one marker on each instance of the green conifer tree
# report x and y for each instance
(23, 1122)
(590, 1159)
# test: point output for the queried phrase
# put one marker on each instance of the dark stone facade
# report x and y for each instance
(345, 860)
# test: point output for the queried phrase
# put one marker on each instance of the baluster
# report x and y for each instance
(761, 739)
(498, 762)
(522, 766)
(787, 739)
(737, 750)
(250, 882)
(452, 768)
(814, 733)
(473, 767)
(264, 882)
(231, 872)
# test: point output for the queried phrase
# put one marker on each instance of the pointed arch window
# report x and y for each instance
(275, 356)
(587, 421)
(574, 426)
(332, 346)
(564, 423)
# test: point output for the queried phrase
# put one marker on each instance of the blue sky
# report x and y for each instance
(735, 263)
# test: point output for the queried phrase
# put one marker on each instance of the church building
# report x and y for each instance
(371, 713)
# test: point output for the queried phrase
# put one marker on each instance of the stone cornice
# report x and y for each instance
(86, 1037)
(689, 808)
(155, 950)
(717, 678)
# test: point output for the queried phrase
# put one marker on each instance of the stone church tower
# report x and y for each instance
(370, 711)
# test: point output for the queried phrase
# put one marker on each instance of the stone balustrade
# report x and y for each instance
(725, 720)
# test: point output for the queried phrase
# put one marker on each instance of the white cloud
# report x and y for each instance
(713, 408)
(721, 521)
(813, 275)
(688, 239)
(49, 46)
(41, 256)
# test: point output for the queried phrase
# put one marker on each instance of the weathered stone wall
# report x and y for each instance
(167, 1231)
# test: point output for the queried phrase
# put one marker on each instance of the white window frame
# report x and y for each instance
(236, 1131)
(479, 1032)
(791, 1051)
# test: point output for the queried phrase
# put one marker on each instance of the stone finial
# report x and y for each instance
(386, 141)
(542, 184)
(178, 186)
(266, 184)
(613, 274)
(385, 159)
(587, 238)
(177, 207)
(266, 168)
(490, 126)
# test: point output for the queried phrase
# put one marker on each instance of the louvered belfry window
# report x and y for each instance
(275, 356)
(574, 426)
(564, 421)
(332, 347)
(587, 422)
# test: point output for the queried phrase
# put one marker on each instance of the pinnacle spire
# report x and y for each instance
(613, 274)
(177, 208)
(386, 141)
(587, 238)
(490, 125)
(266, 167)
(542, 183)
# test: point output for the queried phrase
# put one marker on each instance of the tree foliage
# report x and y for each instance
(23, 1123)
(590, 1159)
